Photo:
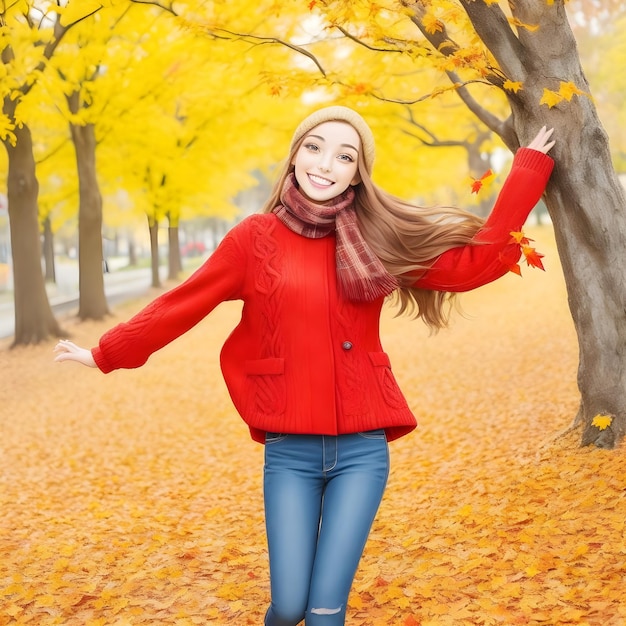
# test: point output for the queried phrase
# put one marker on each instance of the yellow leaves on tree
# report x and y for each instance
(432, 24)
(6, 129)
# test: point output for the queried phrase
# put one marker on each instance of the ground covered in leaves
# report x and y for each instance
(135, 498)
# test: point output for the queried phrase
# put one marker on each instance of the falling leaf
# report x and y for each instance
(533, 258)
(520, 238)
(483, 181)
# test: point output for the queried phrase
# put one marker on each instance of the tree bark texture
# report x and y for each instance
(92, 303)
(175, 264)
(48, 252)
(154, 251)
(34, 320)
(584, 198)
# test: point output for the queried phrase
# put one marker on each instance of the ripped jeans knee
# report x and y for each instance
(314, 617)
(326, 611)
(326, 616)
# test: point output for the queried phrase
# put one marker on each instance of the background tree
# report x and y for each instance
(30, 39)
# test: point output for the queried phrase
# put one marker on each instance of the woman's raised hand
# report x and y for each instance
(68, 351)
(542, 141)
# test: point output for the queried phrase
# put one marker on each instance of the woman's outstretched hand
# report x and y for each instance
(542, 141)
(68, 351)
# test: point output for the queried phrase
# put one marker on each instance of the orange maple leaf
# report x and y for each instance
(533, 258)
(519, 237)
(478, 183)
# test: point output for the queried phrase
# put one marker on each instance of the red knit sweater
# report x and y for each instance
(303, 359)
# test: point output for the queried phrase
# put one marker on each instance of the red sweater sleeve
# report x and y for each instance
(471, 266)
(220, 278)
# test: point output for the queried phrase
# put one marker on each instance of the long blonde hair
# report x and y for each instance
(407, 239)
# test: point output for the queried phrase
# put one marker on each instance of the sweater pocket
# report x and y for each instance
(386, 381)
(266, 387)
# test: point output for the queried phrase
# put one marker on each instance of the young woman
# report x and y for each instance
(305, 367)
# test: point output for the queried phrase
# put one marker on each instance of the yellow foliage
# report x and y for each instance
(6, 129)
(432, 24)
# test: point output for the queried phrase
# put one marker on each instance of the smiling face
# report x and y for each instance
(327, 160)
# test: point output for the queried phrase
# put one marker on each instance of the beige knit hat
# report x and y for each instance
(340, 114)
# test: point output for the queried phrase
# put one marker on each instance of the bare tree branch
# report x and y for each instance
(222, 33)
(348, 35)
(169, 8)
(431, 139)
(257, 39)
(456, 87)
(503, 128)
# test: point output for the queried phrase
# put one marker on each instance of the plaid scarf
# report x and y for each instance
(361, 274)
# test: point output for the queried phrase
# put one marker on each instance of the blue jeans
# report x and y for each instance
(321, 497)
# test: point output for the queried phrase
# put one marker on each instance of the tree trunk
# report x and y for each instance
(586, 203)
(587, 206)
(154, 251)
(132, 251)
(48, 252)
(175, 264)
(34, 321)
(92, 303)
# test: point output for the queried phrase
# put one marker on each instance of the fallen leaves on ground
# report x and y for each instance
(135, 498)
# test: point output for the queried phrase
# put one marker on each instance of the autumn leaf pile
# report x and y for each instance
(135, 498)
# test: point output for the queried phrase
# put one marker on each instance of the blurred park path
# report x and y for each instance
(135, 498)
(120, 284)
